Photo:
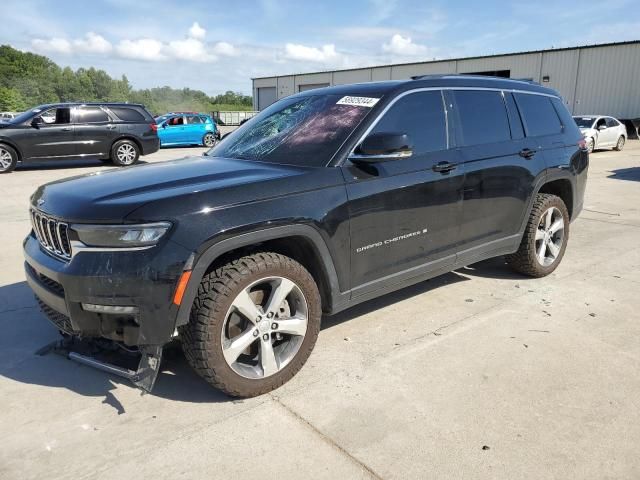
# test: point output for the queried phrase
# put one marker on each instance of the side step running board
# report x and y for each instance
(144, 377)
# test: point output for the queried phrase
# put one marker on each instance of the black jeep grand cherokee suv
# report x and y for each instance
(119, 132)
(324, 200)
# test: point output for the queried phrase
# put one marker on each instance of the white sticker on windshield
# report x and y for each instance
(358, 101)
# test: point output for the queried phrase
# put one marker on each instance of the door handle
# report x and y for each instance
(66, 129)
(444, 167)
(527, 153)
(111, 127)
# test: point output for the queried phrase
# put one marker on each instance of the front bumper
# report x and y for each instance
(146, 279)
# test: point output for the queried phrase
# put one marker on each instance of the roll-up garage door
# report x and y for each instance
(266, 96)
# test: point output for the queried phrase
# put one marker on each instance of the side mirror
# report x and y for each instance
(602, 127)
(164, 125)
(381, 147)
(36, 122)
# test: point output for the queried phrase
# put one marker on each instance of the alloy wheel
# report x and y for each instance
(126, 154)
(549, 236)
(620, 143)
(5, 159)
(264, 328)
(209, 140)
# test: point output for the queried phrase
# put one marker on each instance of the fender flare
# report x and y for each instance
(215, 251)
(551, 174)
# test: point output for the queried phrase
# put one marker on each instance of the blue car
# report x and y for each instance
(187, 129)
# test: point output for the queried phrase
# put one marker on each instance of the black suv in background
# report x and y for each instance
(119, 132)
(325, 199)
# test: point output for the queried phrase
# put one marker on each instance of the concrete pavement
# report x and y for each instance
(480, 373)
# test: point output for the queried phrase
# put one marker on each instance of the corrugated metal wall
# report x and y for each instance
(603, 80)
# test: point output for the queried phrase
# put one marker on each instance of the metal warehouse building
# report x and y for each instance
(602, 79)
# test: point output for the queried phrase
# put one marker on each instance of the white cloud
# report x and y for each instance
(196, 31)
(325, 54)
(188, 49)
(404, 46)
(225, 49)
(141, 49)
(53, 45)
(93, 43)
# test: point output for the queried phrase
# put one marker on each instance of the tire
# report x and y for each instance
(209, 140)
(540, 231)
(619, 144)
(591, 143)
(125, 153)
(8, 158)
(216, 319)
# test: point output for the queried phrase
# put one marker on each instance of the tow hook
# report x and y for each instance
(87, 352)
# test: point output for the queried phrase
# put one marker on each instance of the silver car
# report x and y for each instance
(602, 132)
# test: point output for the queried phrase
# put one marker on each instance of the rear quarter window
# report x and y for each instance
(538, 114)
(127, 114)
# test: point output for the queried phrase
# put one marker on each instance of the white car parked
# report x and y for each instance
(602, 132)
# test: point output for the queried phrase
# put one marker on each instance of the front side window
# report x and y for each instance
(612, 122)
(91, 115)
(305, 131)
(482, 117)
(56, 116)
(540, 118)
(421, 116)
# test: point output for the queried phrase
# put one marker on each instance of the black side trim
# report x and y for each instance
(213, 252)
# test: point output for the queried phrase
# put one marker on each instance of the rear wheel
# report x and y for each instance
(619, 144)
(8, 158)
(124, 153)
(545, 238)
(253, 324)
(209, 140)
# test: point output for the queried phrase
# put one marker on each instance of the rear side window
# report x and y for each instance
(91, 115)
(192, 120)
(538, 114)
(127, 114)
(482, 116)
(421, 116)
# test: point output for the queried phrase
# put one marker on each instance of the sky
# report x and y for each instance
(218, 46)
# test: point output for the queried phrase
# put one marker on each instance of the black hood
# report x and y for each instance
(111, 195)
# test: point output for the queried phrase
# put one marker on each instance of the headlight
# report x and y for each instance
(121, 236)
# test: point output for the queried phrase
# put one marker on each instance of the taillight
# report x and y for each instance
(582, 144)
(154, 126)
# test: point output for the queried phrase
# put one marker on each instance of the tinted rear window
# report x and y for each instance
(421, 116)
(538, 114)
(91, 115)
(483, 117)
(127, 114)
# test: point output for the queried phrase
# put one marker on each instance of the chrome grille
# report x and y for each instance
(52, 234)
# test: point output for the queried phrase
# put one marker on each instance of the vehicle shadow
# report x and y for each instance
(631, 173)
(66, 164)
(496, 268)
(30, 331)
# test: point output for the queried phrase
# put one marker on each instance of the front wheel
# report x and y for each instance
(125, 153)
(8, 158)
(545, 238)
(619, 144)
(209, 140)
(253, 324)
(590, 145)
